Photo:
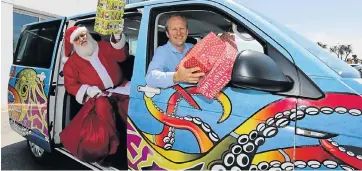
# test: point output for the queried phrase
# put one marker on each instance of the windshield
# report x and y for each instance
(336, 64)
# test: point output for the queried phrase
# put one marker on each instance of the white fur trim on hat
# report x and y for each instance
(76, 32)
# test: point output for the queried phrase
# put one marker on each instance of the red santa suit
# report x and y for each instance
(92, 134)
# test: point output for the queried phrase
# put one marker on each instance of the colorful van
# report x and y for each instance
(289, 105)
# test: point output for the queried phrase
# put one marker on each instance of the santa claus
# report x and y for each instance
(92, 74)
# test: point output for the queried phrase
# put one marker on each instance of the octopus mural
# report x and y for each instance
(238, 150)
(27, 100)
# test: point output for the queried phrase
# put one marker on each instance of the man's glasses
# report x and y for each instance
(80, 36)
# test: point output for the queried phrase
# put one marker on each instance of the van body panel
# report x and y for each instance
(288, 146)
(29, 86)
(202, 138)
(241, 129)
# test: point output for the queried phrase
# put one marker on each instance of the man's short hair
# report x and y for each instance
(176, 15)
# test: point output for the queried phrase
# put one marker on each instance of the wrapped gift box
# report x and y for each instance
(109, 16)
(219, 75)
(204, 53)
(215, 56)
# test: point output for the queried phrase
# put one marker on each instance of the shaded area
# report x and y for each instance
(17, 157)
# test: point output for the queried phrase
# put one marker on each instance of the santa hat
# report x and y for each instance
(69, 37)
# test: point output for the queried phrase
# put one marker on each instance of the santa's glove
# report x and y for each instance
(93, 91)
(117, 36)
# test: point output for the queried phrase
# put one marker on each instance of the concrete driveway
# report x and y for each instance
(15, 154)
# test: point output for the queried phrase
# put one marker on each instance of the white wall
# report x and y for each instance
(59, 7)
(6, 48)
(46, 7)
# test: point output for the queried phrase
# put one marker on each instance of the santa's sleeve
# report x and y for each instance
(71, 83)
(116, 50)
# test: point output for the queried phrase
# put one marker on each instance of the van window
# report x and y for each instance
(131, 30)
(201, 23)
(132, 46)
(36, 45)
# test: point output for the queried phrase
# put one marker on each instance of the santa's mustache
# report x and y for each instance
(83, 41)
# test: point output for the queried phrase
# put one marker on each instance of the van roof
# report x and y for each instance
(130, 6)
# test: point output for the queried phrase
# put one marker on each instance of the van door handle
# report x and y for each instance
(52, 89)
(314, 133)
(149, 91)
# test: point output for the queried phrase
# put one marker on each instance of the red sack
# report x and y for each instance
(91, 136)
(205, 53)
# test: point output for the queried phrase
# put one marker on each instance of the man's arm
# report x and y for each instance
(157, 74)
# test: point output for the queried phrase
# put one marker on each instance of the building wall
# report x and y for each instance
(39, 9)
(6, 48)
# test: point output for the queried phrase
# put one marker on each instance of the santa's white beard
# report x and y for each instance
(87, 50)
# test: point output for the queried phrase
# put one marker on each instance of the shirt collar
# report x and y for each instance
(174, 50)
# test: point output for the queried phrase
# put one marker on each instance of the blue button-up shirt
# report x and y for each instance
(162, 67)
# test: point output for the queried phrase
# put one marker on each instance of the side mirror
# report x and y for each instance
(258, 71)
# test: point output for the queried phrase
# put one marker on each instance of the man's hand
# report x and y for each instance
(93, 91)
(189, 75)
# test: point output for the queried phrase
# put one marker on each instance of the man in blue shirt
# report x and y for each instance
(161, 71)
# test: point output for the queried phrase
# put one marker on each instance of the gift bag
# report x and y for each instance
(205, 53)
(109, 16)
(220, 74)
(90, 136)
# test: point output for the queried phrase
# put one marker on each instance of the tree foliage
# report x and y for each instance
(342, 51)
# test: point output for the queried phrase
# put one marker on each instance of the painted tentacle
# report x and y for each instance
(334, 102)
(185, 94)
(265, 124)
(281, 159)
(180, 123)
(202, 131)
(343, 154)
(164, 138)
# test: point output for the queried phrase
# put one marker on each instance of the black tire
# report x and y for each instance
(39, 155)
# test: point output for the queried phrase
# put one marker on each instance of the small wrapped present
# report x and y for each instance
(109, 16)
(204, 53)
(226, 37)
(194, 61)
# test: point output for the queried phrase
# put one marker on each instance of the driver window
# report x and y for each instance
(201, 23)
(245, 41)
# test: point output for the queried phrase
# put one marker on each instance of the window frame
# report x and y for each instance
(38, 25)
(128, 13)
(157, 11)
(300, 89)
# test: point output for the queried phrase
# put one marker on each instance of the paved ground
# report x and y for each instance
(15, 154)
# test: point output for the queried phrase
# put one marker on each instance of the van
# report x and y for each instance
(289, 104)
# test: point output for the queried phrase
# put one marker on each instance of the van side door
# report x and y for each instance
(30, 87)
(241, 129)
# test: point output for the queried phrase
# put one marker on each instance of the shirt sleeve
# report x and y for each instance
(157, 74)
